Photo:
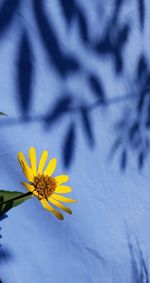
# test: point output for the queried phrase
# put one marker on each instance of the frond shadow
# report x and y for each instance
(5, 254)
(64, 63)
(115, 38)
(132, 130)
(110, 45)
(25, 68)
(139, 266)
(8, 11)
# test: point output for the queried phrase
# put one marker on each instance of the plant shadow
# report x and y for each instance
(110, 46)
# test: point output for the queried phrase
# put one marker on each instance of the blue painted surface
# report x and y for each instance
(52, 60)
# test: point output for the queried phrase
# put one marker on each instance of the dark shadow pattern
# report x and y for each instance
(25, 72)
(139, 266)
(5, 254)
(64, 63)
(110, 46)
(97, 88)
(114, 39)
(133, 128)
(141, 12)
(87, 125)
(73, 12)
(61, 107)
(7, 14)
(69, 145)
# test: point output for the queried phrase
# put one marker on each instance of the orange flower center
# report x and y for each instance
(44, 185)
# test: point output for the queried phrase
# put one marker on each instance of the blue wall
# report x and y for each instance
(74, 79)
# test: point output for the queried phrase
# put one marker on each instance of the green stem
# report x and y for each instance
(12, 199)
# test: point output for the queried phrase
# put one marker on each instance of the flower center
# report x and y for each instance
(44, 185)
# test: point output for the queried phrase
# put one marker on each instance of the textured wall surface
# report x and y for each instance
(74, 79)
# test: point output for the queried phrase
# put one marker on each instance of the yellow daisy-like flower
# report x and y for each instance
(41, 183)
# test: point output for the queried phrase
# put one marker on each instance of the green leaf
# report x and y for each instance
(10, 196)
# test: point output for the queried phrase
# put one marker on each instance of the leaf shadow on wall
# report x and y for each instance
(5, 253)
(132, 130)
(111, 44)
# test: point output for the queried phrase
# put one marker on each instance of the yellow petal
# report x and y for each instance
(63, 199)
(25, 167)
(32, 157)
(30, 188)
(61, 179)
(60, 205)
(42, 162)
(50, 167)
(63, 189)
(47, 206)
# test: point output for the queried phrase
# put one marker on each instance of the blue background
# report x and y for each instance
(74, 79)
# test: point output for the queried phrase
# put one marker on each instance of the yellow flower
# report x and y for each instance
(43, 185)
